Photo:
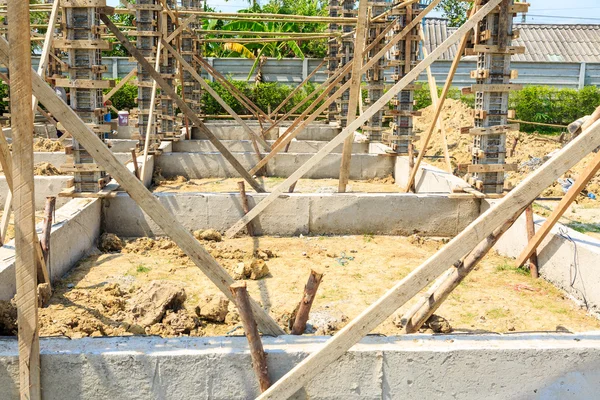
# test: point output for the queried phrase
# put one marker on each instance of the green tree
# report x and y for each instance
(454, 10)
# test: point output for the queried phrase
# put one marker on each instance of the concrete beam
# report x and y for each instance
(74, 233)
(44, 186)
(294, 214)
(214, 165)
(557, 366)
(241, 146)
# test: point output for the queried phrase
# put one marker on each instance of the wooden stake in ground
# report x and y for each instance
(139, 193)
(584, 178)
(136, 169)
(310, 291)
(47, 228)
(355, 79)
(259, 358)
(440, 105)
(533, 259)
(23, 191)
(168, 91)
(245, 206)
(414, 319)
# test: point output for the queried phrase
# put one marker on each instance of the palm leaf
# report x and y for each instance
(239, 48)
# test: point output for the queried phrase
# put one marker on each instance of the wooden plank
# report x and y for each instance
(182, 105)
(83, 3)
(419, 278)
(121, 83)
(496, 87)
(149, 124)
(44, 58)
(368, 113)
(181, 27)
(19, 64)
(483, 48)
(99, 44)
(84, 83)
(440, 105)
(139, 193)
(493, 130)
(355, 93)
(215, 95)
(584, 178)
(492, 167)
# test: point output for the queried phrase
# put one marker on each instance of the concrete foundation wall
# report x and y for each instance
(494, 367)
(429, 179)
(74, 233)
(44, 186)
(294, 214)
(214, 165)
(241, 146)
(231, 130)
(568, 259)
(59, 158)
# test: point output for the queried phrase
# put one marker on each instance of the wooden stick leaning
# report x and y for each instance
(329, 147)
(530, 226)
(182, 105)
(355, 94)
(435, 100)
(19, 64)
(5, 221)
(49, 209)
(297, 88)
(310, 291)
(121, 83)
(457, 248)
(140, 194)
(6, 164)
(440, 105)
(151, 111)
(441, 289)
(245, 206)
(257, 352)
(44, 57)
(215, 95)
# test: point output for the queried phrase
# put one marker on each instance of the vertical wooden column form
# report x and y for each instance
(259, 358)
(354, 91)
(23, 191)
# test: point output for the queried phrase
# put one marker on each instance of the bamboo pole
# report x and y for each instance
(259, 358)
(245, 206)
(310, 291)
(24, 207)
(441, 289)
(355, 79)
(438, 109)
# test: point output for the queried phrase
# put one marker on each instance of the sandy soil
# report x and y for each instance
(220, 185)
(93, 299)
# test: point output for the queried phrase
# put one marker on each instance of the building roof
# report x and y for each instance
(543, 43)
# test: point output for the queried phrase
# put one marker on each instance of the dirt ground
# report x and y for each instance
(181, 184)
(97, 297)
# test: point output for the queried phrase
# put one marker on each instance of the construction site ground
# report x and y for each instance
(97, 296)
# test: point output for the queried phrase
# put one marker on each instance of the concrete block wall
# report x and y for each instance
(74, 233)
(294, 214)
(466, 367)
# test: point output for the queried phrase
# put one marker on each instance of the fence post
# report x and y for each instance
(115, 67)
(582, 75)
(304, 68)
(211, 62)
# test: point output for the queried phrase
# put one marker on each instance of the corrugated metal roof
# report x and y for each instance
(543, 43)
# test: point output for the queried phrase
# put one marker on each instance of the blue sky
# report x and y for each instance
(541, 11)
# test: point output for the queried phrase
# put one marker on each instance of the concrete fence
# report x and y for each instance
(292, 70)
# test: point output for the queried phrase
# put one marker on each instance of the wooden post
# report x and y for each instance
(310, 291)
(414, 319)
(259, 358)
(245, 206)
(182, 105)
(44, 57)
(47, 228)
(329, 147)
(139, 193)
(355, 95)
(584, 178)
(533, 260)
(24, 205)
(151, 111)
(440, 105)
(136, 169)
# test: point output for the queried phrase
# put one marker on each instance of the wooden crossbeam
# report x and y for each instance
(368, 113)
(168, 90)
(121, 83)
(139, 193)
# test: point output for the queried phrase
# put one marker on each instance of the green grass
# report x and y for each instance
(512, 268)
(142, 269)
(583, 227)
(368, 237)
(496, 313)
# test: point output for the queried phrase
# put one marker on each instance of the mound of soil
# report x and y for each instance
(46, 169)
(47, 145)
